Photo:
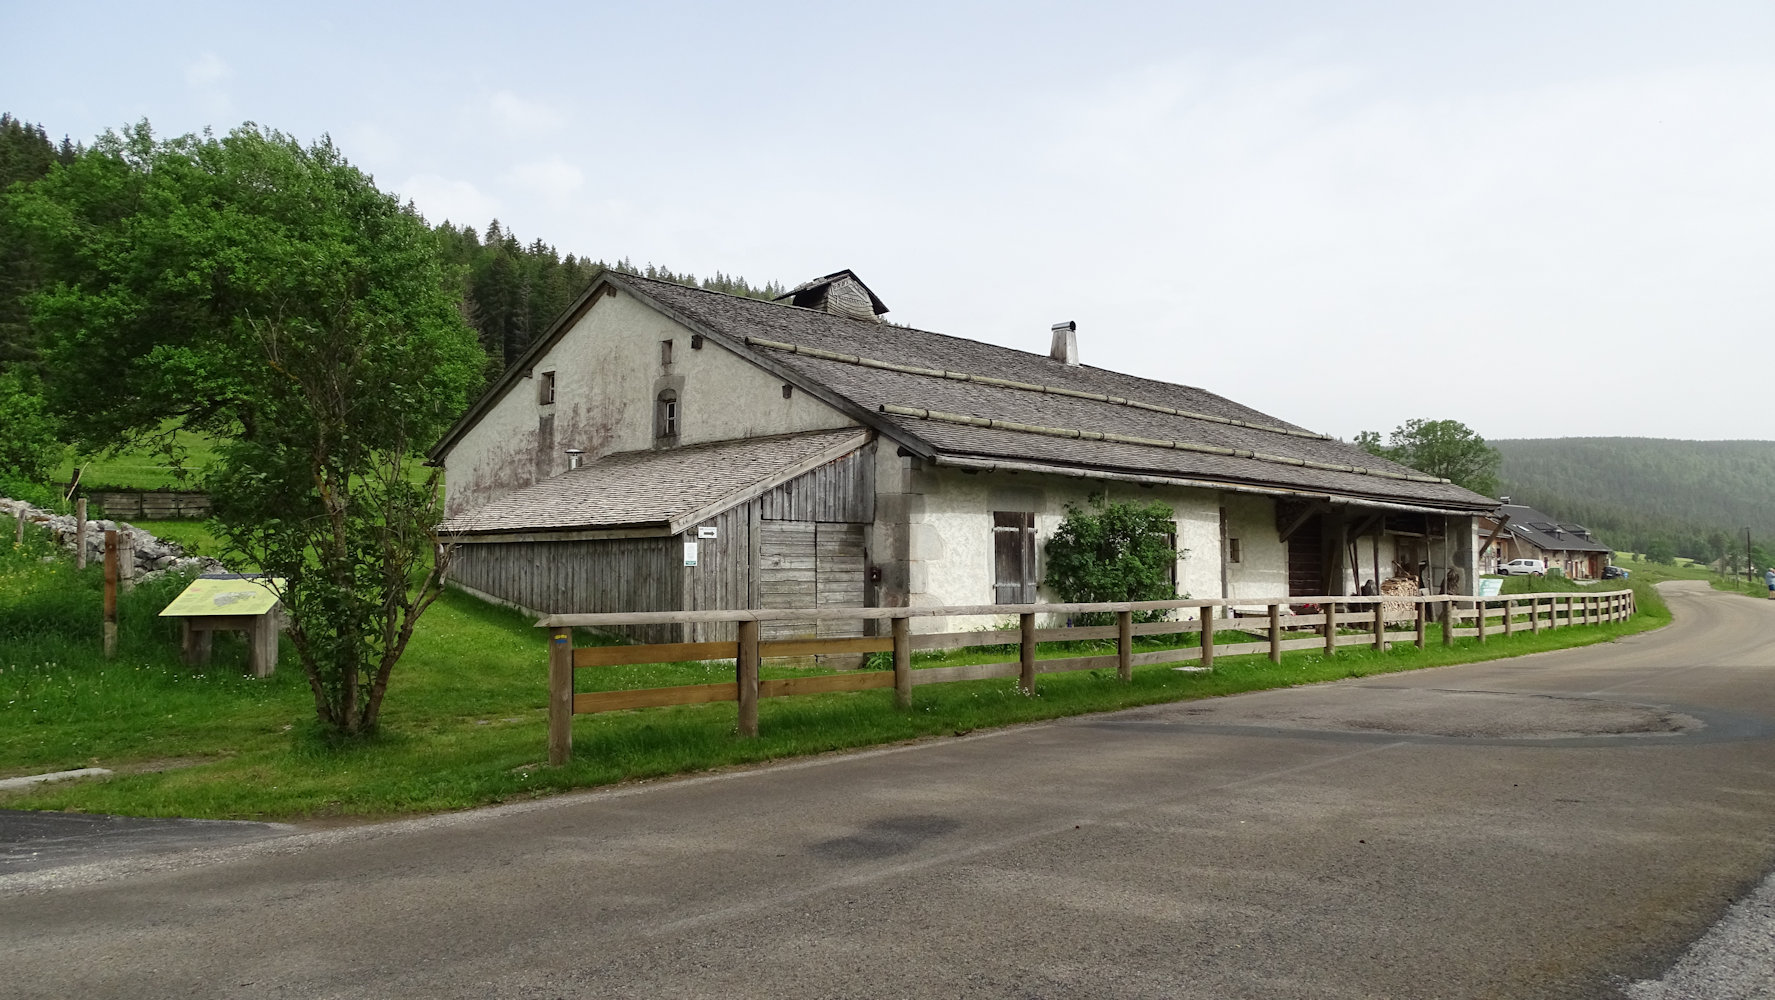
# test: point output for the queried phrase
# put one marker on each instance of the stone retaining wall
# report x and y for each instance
(143, 553)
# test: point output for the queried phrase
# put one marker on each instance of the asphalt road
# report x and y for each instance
(1560, 825)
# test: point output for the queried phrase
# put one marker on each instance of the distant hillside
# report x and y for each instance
(1633, 490)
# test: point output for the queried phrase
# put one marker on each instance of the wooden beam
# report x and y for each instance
(1125, 645)
(1026, 650)
(1492, 537)
(561, 704)
(1299, 522)
(590, 702)
(812, 647)
(664, 652)
(1275, 633)
(902, 629)
(746, 677)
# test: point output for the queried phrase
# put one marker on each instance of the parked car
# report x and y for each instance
(1523, 567)
(1615, 573)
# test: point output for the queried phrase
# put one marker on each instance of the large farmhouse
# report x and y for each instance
(670, 448)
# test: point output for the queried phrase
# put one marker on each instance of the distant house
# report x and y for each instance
(670, 448)
(1530, 534)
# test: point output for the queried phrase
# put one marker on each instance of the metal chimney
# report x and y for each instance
(1066, 343)
(573, 455)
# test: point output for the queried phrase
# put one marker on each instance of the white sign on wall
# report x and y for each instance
(706, 531)
(690, 553)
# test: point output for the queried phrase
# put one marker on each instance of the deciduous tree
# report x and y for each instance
(1446, 448)
(267, 293)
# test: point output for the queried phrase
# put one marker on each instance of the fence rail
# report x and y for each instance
(1338, 621)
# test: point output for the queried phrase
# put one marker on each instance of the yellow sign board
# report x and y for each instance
(225, 597)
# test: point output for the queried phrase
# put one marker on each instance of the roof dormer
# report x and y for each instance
(841, 293)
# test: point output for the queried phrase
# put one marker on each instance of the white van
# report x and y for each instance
(1524, 567)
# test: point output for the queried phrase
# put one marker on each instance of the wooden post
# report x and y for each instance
(1448, 621)
(1026, 654)
(902, 630)
(560, 696)
(80, 533)
(1480, 609)
(1534, 615)
(1380, 624)
(1275, 633)
(126, 561)
(1330, 628)
(1509, 617)
(110, 593)
(1423, 610)
(1568, 611)
(746, 672)
(1208, 636)
(20, 537)
(1125, 645)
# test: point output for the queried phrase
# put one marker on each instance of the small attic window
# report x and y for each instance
(665, 415)
(545, 388)
(665, 353)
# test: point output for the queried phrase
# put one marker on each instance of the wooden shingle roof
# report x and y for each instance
(965, 401)
(665, 489)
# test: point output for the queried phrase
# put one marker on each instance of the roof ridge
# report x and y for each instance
(1209, 449)
(853, 359)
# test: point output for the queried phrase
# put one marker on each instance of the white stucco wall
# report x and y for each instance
(608, 370)
(945, 537)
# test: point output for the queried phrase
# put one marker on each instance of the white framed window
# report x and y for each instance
(545, 388)
(666, 415)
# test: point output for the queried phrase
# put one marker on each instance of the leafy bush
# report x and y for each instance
(1117, 551)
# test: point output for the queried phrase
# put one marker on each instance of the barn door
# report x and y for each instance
(807, 564)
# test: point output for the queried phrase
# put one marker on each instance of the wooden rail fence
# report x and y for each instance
(1340, 621)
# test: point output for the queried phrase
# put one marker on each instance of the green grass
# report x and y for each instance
(465, 724)
(140, 469)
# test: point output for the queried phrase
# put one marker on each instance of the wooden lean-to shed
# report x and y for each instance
(761, 522)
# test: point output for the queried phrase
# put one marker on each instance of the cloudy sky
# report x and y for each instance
(1543, 220)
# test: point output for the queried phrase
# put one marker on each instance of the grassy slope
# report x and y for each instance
(465, 723)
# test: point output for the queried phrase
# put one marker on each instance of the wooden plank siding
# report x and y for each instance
(588, 577)
(840, 491)
(722, 577)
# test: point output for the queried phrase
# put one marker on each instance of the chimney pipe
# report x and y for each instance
(1066, 343)
(573, 455)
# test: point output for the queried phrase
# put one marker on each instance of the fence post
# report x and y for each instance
(746, 673)
(902, 630)
(1331, 628)
(1510, 617)
(1125, 645)
(1448, 621)
(1380, 624)
(560, 696)
(110, 593)
(1480, 607)
(1026, 653)
(1534, 615)
(1423, 610)
(80, 533)
(1568, 611)
(1208, 636)
(1275, 633)
(20, 537)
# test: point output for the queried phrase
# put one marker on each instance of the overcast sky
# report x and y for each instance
(1543, 220)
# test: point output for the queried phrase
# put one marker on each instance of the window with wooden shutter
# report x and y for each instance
(1013, 557)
